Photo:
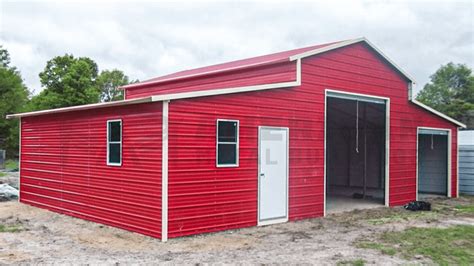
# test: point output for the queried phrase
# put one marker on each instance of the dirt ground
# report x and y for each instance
(45, 237)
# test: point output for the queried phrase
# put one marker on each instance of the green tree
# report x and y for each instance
(13, 97)
(109, 82)
(450, 91)
(67, 81)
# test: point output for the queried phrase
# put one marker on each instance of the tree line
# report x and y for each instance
(66, 81)
(69, 81)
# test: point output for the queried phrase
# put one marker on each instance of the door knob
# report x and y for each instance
(262, 174)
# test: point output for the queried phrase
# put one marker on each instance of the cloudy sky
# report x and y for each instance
(149, 39)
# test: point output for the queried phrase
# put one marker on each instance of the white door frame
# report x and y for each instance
(284, 219)
(449, 177)
(387, 140)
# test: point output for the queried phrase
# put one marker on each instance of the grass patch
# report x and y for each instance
(465, 208)
(11, 164)
(9, 228)
(357, 262)
(2, 174)
(445, 246)
(403, 215)
(384, 249)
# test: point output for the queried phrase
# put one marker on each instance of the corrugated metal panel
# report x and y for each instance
(466, 169)
(63, 166)
(262, 75)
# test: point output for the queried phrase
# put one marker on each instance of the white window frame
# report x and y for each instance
(225, 142)
(114, 142)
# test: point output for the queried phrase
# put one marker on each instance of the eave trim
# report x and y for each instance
(81, 107)
(437, 113)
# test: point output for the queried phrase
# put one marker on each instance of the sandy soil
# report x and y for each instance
(50, 238)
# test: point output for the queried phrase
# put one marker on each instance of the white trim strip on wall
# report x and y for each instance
(19, 161)
(164, 173)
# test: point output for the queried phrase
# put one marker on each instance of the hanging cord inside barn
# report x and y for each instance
(432, 142)
(357, 126)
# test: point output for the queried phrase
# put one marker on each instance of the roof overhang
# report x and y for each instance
(350, 42)
(429, 109)
(82, 107)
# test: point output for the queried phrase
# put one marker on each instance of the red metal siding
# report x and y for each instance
(203, 198)
(63, 166)
(261, 75)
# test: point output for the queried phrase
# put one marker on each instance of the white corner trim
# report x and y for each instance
(437, 113)
(457, 163)
(349, 42)
(19, 161)
(164, 173)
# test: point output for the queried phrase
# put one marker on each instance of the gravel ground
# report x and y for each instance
(49, 238)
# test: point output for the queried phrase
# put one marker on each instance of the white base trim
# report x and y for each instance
(273, 221)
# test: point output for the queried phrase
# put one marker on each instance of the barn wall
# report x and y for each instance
(203, 198)
(63, 166)
(358, 69)
(282, 72)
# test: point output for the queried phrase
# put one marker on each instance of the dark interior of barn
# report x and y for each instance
(355, 154)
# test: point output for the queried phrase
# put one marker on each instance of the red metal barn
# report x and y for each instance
(286, 136)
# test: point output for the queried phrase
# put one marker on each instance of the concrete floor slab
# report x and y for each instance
(338, 204)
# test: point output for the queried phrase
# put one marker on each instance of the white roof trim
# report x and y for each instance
(438, 113)
(82, 107)
(349, 42)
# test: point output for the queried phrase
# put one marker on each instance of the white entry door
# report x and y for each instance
(273, 175)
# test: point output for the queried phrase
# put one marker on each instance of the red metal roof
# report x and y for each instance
(233, 65)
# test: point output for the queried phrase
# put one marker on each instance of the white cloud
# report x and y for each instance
(148, 39)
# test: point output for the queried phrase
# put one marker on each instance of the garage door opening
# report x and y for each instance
(356, 152)
(433, 163)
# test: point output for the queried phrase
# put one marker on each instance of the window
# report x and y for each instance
(114, 142)
(227, 143)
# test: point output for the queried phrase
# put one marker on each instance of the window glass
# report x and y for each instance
(114, 131)
(227, 154)
(114, 153)
(227, 143)
(227, 131)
